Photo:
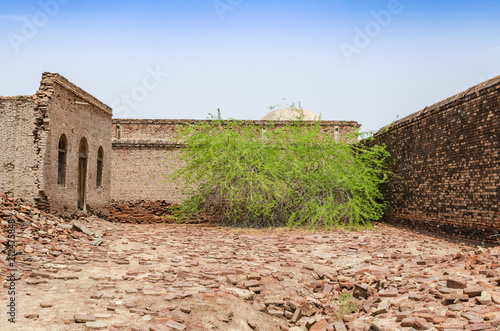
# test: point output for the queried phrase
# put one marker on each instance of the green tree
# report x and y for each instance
(274, 175)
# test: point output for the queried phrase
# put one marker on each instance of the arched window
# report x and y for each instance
(100, 155)
(61, 160)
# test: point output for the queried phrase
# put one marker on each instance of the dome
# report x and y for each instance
(291, 114)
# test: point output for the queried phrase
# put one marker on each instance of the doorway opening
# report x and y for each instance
(82, 174)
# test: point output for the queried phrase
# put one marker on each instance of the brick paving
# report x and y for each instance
(199, 277)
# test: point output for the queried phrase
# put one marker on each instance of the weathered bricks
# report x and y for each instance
(141, 212)
(447, 165)
(30, 131)
(146, 155)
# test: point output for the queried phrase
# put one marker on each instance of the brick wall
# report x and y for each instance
(448, 165)
(142, 171)
(20, 164)
(141, 212)
(29, 136)
(76, 114)
(166, 130)
(146, 154)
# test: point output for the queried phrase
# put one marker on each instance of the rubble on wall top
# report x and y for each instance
(440, 105)
(17, 97)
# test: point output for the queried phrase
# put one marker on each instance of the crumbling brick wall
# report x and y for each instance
(447, 165)
(76, 114)
(21, 135)
(141, 212)
(29, 137)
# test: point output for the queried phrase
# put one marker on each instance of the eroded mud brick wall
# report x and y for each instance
(74, 113)
(146, 155)
(448, 165)
(20, 147)
(30, 129)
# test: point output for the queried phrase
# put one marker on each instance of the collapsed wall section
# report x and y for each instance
(447, 165)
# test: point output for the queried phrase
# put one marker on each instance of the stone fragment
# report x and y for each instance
(473, 291)
(241, 293)
(231, 279)
(339, 326)
(159, 327)
(296, 315)
(254, 276)
(96, 325)
(77, 225)
(252, 324)
(452, 297)
(416, 322)
(175, 325)
(40, 274)
(151, 292)
(84, 318)
(256, 289)
(382, 308)
(495, 298)
(375, 327)
(458, 283)
(401, 315)
(252, 283)
(388, 294)
(319, 325)
(361, 291)
(103, 315)
(309, 322)
(471, 316)
(275, 311)
(484, 299)
(478, 327)
(426, 316)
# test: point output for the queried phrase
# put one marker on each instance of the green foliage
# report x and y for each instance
(274, 175)
(346, 303)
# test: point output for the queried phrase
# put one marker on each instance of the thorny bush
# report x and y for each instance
(274, 175)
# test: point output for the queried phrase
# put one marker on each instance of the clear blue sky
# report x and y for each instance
(368, 61)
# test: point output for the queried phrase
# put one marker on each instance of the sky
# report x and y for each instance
(368, 61)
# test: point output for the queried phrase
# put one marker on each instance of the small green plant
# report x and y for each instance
(346, 303)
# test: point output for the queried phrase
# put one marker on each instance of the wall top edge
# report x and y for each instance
(48, 77)
(18, 97)
(475, 90)
(195, 121)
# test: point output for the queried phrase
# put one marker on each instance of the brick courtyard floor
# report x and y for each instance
(198, 277)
